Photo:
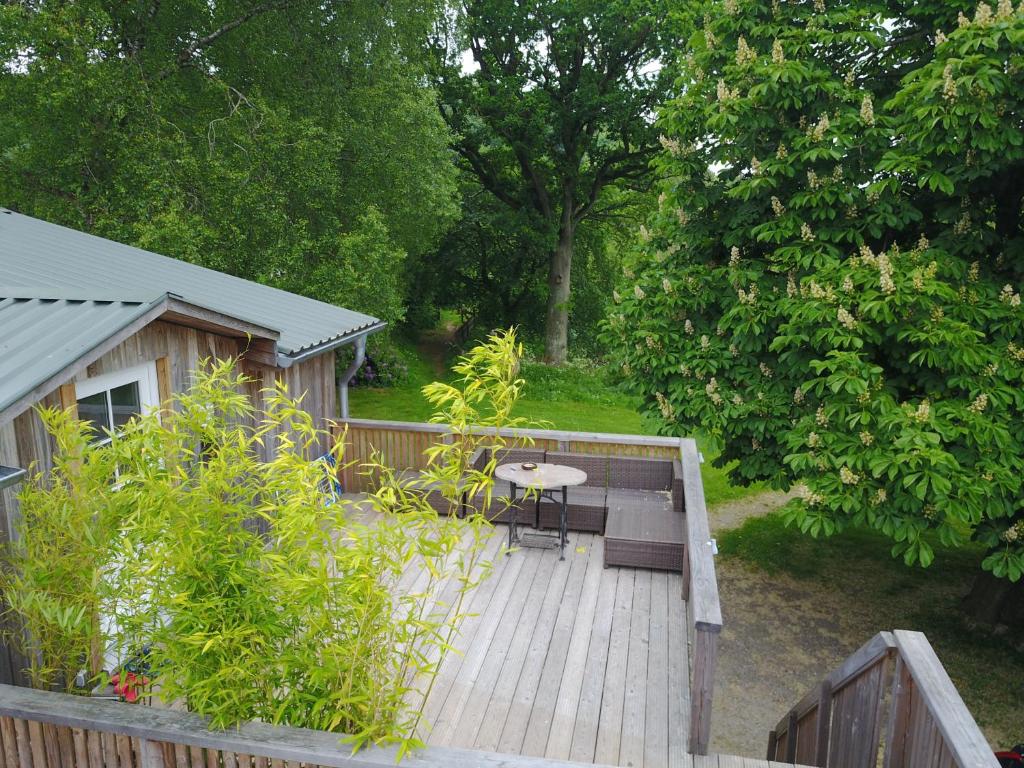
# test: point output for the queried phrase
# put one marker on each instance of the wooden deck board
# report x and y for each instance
(588, 711)
(563, 718)
(634, 705)
(474, 638)
(609, 727)
(528, 631)
(572, 612)
(656, 717)
(678, 680)
(549, 641)
(568, 660)
(521, 610)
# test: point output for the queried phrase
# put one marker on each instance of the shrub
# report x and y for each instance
(258, 595)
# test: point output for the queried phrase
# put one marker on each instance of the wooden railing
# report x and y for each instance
(700, 590)
(39, 729)
(401, 445)
(891, 700)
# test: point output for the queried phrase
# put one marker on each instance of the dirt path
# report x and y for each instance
(731, 514)
(779, 639)
(433, 346)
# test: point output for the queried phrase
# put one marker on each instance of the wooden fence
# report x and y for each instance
(402, 444)
(891, 701)
(39, 729)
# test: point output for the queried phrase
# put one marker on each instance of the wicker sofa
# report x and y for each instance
(635, 503)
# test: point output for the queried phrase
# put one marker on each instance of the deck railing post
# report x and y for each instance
(824, 724)
(773, 742)
(705, 657)
(791, 737)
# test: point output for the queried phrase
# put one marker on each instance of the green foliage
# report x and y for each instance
(52, 580)
(491, 267)
(553, 127)
(292, 143)
(831, 286)
(259, 597)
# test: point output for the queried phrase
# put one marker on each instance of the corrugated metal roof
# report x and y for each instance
(37, 253)
(41, 337)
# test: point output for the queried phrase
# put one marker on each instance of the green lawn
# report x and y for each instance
(855, 574)
(577, 397)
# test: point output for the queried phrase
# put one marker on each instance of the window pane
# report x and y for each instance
(126, 403)
(94, 409)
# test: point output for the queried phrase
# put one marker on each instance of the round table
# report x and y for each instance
(545, 480)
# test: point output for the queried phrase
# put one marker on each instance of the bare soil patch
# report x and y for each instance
(787, 626)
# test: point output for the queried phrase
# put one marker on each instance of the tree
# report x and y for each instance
(489, 266)
(555, 112)
(287, 141)
(832, 283)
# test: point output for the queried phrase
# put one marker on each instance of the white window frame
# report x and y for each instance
(144, 375)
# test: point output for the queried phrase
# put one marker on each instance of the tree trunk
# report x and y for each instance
(556, 328)
(995, 601)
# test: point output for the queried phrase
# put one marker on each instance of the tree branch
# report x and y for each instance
(487, 177)
(618, 165)
(186, 55)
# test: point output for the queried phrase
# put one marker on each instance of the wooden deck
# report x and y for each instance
(568, 660)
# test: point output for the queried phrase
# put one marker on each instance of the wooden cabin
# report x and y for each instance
(111, 330)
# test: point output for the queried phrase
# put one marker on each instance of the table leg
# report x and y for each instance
(512, 521)
(563, 522)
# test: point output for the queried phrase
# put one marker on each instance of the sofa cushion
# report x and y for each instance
(638, 473)
(652, 521)
(594, 465)
(637, 498)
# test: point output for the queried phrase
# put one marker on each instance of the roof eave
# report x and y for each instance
(287, 361)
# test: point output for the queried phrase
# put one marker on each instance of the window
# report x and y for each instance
(109, 401)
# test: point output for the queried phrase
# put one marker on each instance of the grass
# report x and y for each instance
(578, 397)
(854, 572)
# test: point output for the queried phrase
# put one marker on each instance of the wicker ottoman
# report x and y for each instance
(643, 531)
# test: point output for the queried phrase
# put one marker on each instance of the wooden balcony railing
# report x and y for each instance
(40, 729)
(402, 444)
(893, 700)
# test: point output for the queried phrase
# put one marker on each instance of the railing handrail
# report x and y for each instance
(156, 725)
(910, 667)
(544, 434)
(706, 605)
